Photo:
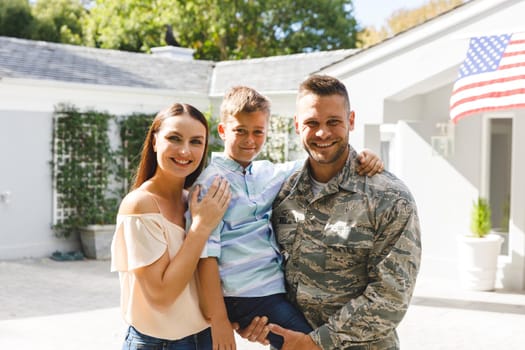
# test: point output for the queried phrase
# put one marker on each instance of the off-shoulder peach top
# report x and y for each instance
(140, 240)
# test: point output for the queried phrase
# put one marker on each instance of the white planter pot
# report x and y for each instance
(96, 241)
(478, 261)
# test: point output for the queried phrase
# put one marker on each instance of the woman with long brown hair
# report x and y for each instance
(154, 254)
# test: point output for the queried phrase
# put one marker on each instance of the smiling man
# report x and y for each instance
(352, 243)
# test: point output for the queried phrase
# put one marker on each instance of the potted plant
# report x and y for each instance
(478, 252)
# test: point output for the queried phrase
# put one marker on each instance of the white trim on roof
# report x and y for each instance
(86, 86)
(293, 57)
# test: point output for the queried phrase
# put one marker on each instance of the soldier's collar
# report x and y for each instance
(348, 178)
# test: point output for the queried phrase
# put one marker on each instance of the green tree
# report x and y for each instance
(306, 25)
(16, 19)
(403, 19)
(59, 20)
(219, 29)
(131, 25)
(244, 29)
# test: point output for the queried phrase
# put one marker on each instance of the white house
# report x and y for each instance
(400, 90)
(36, 76)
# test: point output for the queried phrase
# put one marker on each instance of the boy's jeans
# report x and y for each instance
(276, 307)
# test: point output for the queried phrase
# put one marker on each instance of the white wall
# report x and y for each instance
(33, 95)
(25, 142)
(444, 187)
(25, 221)
(282, 104)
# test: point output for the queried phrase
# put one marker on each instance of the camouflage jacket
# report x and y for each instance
(352, 254)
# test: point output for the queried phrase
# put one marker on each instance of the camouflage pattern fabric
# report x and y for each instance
(352, 255)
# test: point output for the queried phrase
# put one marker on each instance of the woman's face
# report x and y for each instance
(179, 144)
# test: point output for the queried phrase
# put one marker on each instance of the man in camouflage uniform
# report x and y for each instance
(351, 243)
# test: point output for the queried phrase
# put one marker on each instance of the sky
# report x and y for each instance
(375, 12)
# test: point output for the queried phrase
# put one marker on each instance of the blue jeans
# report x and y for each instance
(276, 307)
(136, 340)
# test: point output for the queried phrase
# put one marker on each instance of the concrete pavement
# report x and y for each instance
(71, 305)
(53, 305)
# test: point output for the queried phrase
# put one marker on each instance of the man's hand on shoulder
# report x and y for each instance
(294, 340)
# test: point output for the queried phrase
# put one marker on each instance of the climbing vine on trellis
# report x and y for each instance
(82, 169)
(280, 143)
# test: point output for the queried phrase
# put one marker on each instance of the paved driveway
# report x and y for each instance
(49, 305)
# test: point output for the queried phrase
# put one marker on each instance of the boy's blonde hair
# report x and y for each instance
(243, 99)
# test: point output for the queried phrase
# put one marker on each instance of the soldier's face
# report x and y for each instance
(324, 124)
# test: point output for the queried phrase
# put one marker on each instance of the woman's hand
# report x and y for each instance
(208, 212)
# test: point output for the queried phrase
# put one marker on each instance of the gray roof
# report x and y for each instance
(276, 73)
(28, 59)
(20, 58)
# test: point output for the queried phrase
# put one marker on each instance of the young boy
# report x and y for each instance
(242, 250)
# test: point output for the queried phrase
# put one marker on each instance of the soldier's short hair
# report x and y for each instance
(324, 85)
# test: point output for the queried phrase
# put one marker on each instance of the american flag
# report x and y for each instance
(492, 77)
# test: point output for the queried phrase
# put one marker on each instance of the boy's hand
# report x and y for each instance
(293, 340)
(222, 335)
(369, 163)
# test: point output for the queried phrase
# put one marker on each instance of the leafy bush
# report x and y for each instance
(279, 146)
